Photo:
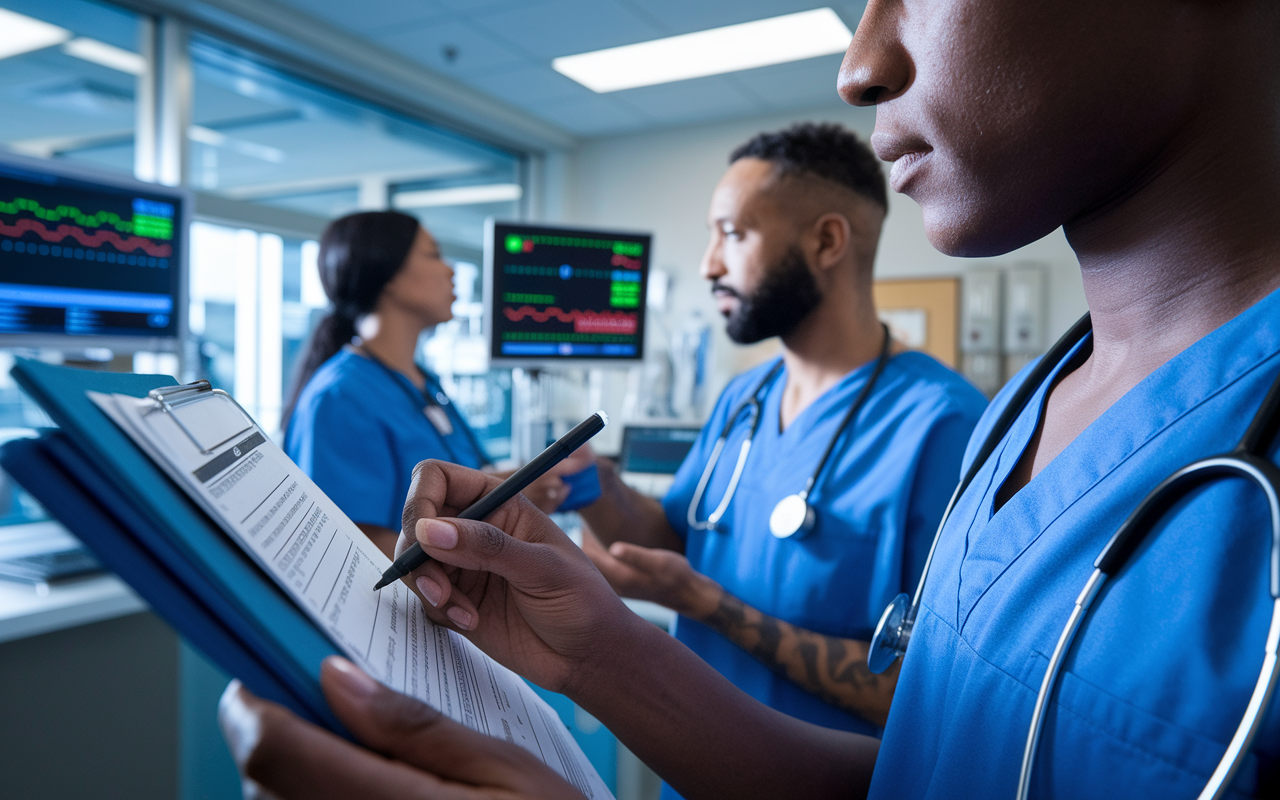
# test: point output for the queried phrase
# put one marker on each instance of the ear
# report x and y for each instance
(834, 236)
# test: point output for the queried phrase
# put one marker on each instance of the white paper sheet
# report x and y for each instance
(327, 565)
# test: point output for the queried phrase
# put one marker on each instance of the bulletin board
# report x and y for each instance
(922, 313)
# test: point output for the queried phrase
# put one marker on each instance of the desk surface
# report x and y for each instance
(26, 611)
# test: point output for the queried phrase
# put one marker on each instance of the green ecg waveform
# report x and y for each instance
(141, 224)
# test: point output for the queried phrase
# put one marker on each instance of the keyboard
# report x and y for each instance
(45, 567)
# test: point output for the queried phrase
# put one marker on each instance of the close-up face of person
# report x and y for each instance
(761, 281)
(1005, 119)
(424, 285)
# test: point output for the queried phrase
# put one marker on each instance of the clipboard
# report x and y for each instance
(92, 478)
(165, 514)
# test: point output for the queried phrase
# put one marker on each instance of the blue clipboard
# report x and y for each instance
(94, 480)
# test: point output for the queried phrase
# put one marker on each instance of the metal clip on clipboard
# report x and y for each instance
(170, 398)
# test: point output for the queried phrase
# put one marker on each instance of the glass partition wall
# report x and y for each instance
(272, 156)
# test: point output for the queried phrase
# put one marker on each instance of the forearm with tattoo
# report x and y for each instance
(830, 667)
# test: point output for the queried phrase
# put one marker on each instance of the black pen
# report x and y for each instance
(415, 557)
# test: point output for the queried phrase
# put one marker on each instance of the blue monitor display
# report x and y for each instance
(655, 449)
(95, 258)
(557, 294)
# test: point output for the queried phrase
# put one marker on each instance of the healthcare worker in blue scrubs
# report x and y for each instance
(364, 412)
(1149, 131)
(786, 615)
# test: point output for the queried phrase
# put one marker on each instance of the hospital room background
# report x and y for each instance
(274, 117)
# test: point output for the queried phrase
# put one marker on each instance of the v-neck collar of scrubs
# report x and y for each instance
(1173, 390)
(816, 412)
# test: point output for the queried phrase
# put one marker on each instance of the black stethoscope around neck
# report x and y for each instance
(1248, 460)
(793, 514)
(434, 404)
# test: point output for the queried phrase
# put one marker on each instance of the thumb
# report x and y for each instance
(646, 559)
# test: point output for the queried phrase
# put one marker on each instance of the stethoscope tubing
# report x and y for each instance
(757, 412)
(429, 387)
(1120, 550)
(753, 404)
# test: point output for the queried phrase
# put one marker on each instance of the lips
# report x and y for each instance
(907, 153)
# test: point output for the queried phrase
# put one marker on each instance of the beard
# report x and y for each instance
(786, 296)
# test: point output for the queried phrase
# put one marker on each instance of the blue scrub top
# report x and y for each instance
(878, 503)
(359, 429)
(1162, 670)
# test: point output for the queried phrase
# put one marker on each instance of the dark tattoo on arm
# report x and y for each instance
(830, 667)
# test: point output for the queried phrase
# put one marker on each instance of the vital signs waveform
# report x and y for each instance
(86, 239)
(583, 321)
(97, 220)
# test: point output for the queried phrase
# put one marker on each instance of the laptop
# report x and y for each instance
(651, 454)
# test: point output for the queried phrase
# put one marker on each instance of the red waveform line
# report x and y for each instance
(583, 321)
(96, 239)
(620, 260)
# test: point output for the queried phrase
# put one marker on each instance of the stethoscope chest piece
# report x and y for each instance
(890, 639)
(791, 516)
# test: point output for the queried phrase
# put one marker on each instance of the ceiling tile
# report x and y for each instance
(528, 86)
(686, 16)
(477, 51)
(366, 16)
(564, 27)
(593, 115)
(692, 100)
(801, 83)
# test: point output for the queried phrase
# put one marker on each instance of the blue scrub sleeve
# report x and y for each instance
(350, 456)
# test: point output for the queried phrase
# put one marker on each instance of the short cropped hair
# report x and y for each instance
(824, 150)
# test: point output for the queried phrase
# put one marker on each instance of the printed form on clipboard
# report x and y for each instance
(213, 449)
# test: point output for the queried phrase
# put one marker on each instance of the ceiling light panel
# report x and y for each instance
(778, 40)
(106, 55)
(22, 34)
(458, 196)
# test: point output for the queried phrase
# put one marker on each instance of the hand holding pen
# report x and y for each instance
(415, 557)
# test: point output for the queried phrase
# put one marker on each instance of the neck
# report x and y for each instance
(840, 335)
(1188, 250)
(392, 339)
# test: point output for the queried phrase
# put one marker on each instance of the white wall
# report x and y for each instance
(662, 181)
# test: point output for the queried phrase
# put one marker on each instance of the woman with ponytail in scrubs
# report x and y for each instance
(363, 411)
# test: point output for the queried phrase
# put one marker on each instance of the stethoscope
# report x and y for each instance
(1247, 460)
(794, 513)
(434, 404)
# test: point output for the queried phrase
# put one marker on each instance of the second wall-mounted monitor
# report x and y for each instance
(564, 296)
(89, 260)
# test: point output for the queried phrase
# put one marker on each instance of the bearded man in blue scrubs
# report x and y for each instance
(1149, 130)
(794, 224)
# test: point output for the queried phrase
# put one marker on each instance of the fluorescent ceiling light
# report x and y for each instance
(107, 55)
(777, 40)
(458, 196)
(22, 34)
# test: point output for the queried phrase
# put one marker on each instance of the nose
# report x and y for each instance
(876, 66)
(712, 266)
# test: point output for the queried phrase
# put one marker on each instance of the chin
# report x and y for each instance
(956, 229)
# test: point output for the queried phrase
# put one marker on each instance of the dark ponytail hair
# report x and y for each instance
(359, 255)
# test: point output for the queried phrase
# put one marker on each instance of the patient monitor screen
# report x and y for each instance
(564, 295)
(83, 257)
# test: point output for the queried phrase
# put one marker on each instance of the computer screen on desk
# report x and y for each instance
(560, 295)
(658, 450)
(89, 259)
